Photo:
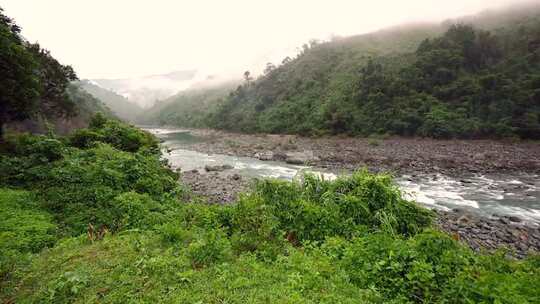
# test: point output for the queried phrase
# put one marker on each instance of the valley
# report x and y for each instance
(196, 154)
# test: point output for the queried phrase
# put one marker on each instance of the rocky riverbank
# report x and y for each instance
(399, 155)
(480, 233)
(490, 234)
(459, 158)
(217, 187)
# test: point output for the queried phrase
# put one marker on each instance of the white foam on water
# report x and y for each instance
(527, 214)
(480, 192)
(162, 131)
(441, 191)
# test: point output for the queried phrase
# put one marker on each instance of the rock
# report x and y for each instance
(300, 158)
(504, 221)
(463, 220)
(217, 168)
(479, 156)
(236, 176)
(265, 156)
(514, 219)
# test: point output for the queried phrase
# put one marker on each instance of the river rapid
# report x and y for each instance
(500, 194)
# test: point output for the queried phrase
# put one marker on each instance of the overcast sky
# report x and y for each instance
(125, 38)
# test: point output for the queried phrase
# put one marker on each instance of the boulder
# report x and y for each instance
(209, 168)
(265, 156)
(300, 158)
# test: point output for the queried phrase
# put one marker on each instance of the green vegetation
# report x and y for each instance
(36, 86)
(188, 108)
(473, 78)
(119, 105)
(466, 83)
(97, 217)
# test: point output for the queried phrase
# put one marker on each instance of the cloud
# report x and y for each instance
(121, 38)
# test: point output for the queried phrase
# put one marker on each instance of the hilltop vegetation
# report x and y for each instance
(470, 78)
(467, 82)
(95, 216)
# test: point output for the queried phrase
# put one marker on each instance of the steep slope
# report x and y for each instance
(36, 93)
(462, 82)
(119, 105)
(84, 108)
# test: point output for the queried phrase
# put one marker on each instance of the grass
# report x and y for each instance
(351, 240)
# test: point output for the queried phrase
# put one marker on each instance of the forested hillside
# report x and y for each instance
(467, 82)
(36, 91)
(478, 76)
(187, 108)
(118, 104)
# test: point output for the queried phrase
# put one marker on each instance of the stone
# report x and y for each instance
(300, 158)
(504, 221)
(236, 176)
(463, 221)
(515, 219)
(265, 156)
(217, 168)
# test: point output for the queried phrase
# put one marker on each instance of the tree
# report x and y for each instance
(32, 80)
(20, 85)
(269, 68)
(286, 60)
(247, 77)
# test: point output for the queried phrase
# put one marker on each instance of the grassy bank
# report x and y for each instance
(97, 217)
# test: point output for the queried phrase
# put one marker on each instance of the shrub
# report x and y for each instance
(119, 135)
(315, 209)
(211, 247)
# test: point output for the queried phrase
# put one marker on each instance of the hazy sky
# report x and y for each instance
(124, 38)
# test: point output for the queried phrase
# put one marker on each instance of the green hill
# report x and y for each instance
(476, 76)
(187, 108)
(118, 104)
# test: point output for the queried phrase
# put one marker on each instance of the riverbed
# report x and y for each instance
(513, 194)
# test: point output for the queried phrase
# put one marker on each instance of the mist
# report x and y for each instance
(131, 39)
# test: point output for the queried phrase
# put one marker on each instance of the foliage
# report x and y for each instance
(468, 80)
(117, 134)
(99, 185)
(118, 104)
(115, 230)
(25, 228)
(32, 80)
(187, 108)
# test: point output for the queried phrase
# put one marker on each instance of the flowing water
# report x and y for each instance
(502, 194)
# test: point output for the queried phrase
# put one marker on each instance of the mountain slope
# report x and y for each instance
(36, 92)
(146, 90)
(187, 108)
(119, 105)
(462, 82)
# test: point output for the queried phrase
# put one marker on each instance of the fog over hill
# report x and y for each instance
(146, 90)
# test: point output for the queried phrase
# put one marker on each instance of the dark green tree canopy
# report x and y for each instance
(32, 80)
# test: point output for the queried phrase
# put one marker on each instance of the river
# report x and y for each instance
(500, 194)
